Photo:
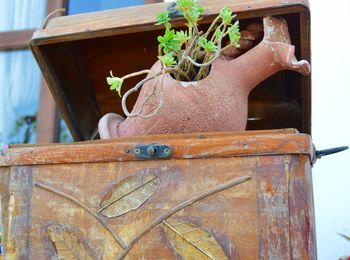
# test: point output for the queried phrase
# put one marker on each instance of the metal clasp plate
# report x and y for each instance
(151, 151)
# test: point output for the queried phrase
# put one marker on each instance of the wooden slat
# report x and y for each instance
(15, 40)
(273, 191)
(301, 211)
(48, 119)
(124, 20)
(153, 1)
(19, 189)
(305, 80)
(191, 146)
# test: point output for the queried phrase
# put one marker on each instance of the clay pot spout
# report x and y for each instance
(218, 102)
(274, 53)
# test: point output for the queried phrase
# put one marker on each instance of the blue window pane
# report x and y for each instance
(19, 94)
(21, 14)
(84, 6)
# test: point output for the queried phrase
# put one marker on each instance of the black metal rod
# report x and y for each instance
(325, 152)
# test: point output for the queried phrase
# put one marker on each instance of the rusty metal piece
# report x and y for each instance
(150, 151)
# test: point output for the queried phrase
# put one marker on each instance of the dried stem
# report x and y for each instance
(161, 101)
(86, 208)
(182, 205)
(136, 88)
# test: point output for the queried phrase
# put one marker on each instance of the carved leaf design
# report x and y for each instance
(191, 242)
(67, 244)
(128, 194)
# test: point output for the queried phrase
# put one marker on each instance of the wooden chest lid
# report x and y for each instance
(76, 53)
(203, 145)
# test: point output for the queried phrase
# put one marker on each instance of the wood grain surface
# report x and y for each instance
(202, 145)
(267, 216)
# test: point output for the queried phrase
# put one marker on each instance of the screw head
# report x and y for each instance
(166, 151)
(137, 151)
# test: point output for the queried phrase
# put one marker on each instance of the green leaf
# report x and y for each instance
(185, 5)
(226, 15)
(169, 42)
(218, 33)
(167, 59)
(115, 83)
(194, 12)
(181, 37)
(208, 46)
(234, 34)
(163, 18)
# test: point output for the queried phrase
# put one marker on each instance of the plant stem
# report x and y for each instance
(134, 89)
(211, 26)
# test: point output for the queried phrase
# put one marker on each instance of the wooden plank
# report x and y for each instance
(195, 146)
(48, 120)
(81, 120)
(5, 200)
(301, 211)
(124, 20)
(305, 42)
(15, 40)
(272, 188)
(153, 1)
(17, 208)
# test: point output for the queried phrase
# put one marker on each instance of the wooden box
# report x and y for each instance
(83, 198)
(76, 53)
(245, 195)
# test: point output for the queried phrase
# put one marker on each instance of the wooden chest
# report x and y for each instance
(236, 195)
(218, 196)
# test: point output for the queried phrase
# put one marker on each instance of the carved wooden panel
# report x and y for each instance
(160, 209)
(239, 205)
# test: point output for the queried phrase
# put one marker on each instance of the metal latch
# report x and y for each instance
(151, 151)
(318, 154)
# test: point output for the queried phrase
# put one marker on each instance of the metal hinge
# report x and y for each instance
(318, 154)
(152, 151)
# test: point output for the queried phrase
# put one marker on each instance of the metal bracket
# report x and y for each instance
(152, 151)
(318, 154)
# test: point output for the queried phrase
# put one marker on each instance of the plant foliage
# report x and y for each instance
(188, 54)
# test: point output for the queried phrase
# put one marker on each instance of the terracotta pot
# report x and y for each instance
(218, 102)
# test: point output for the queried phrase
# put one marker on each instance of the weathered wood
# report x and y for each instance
(16, 198)
(15, 40)
(273, 207)
(190, 146)
(305, 81)
(301, 211)
(123, 20)
(4, 204)
(266, 217)
(48, 119)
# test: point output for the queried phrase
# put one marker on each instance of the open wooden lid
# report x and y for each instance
(76, 53)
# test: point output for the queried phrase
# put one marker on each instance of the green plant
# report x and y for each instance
(185, 54)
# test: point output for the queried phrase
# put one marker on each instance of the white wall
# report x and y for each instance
(330, 35)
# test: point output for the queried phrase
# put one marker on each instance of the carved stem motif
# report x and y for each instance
(86, 208)
(184, 204)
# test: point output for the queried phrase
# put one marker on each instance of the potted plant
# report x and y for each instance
(194, 86)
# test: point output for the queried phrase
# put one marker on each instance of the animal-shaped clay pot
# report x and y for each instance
(218, 102)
